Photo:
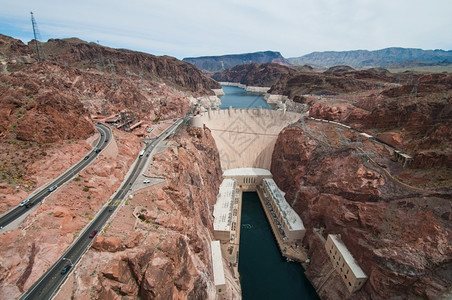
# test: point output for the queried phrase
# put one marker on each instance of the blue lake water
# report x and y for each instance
(264, 272)
(239, 98)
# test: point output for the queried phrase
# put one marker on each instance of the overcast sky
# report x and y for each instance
(216, 27)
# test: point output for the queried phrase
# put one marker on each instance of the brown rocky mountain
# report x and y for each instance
(254, 74)
(52, 101)
(14, 51)
(83, 55)
(46, 126)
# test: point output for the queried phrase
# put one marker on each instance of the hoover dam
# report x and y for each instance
(245, 137)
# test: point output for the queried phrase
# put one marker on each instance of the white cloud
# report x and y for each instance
(205, 27)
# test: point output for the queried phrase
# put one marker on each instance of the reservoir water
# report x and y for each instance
(239, 98)
(264, 272)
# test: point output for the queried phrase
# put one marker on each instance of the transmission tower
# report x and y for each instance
(414, 90)
(37, 36)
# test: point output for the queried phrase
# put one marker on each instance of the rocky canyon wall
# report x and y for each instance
(400, 237)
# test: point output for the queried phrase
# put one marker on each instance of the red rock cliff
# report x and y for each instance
(402, 239)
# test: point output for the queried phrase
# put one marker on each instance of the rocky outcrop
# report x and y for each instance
(254, 74)
(400, 238)
(158, 245)
(340, 112)
(13, 54)
(31, 113)
(339, 69)
(408, 111)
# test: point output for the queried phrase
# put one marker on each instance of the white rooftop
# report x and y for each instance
(222, 210)
(348, 257)
(405, 155)
(291, 218)
(217, 263)
(365, 135)
(247, 172)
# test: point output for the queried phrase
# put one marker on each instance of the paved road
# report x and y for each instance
(48, 284)
(38, 197)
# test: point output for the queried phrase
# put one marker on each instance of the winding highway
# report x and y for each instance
(48, 284)
(18, 211)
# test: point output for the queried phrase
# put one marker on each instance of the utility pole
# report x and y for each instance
(36, 35)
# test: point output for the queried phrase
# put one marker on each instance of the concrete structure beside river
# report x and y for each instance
(217, 265)
(225, 211)
(289, 223)
(344, 263)
(286, 225)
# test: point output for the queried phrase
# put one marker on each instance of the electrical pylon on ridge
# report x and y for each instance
(37, 37)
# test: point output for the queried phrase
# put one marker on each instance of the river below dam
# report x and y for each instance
(264, 272)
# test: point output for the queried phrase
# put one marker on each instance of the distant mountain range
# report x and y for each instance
(361, 59)
(223, 62)
(387, 57)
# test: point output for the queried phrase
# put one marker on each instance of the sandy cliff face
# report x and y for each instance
(400, 237)
(158, 245)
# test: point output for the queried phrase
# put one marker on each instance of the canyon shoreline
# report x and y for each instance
(269, 98)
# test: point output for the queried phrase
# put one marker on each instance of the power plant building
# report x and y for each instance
(225, 211)
(344, 263)
(247, 178)
(288, 221)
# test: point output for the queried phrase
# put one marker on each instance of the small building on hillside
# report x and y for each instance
(344, 263)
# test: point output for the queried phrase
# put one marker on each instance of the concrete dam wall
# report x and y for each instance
(245, 138)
